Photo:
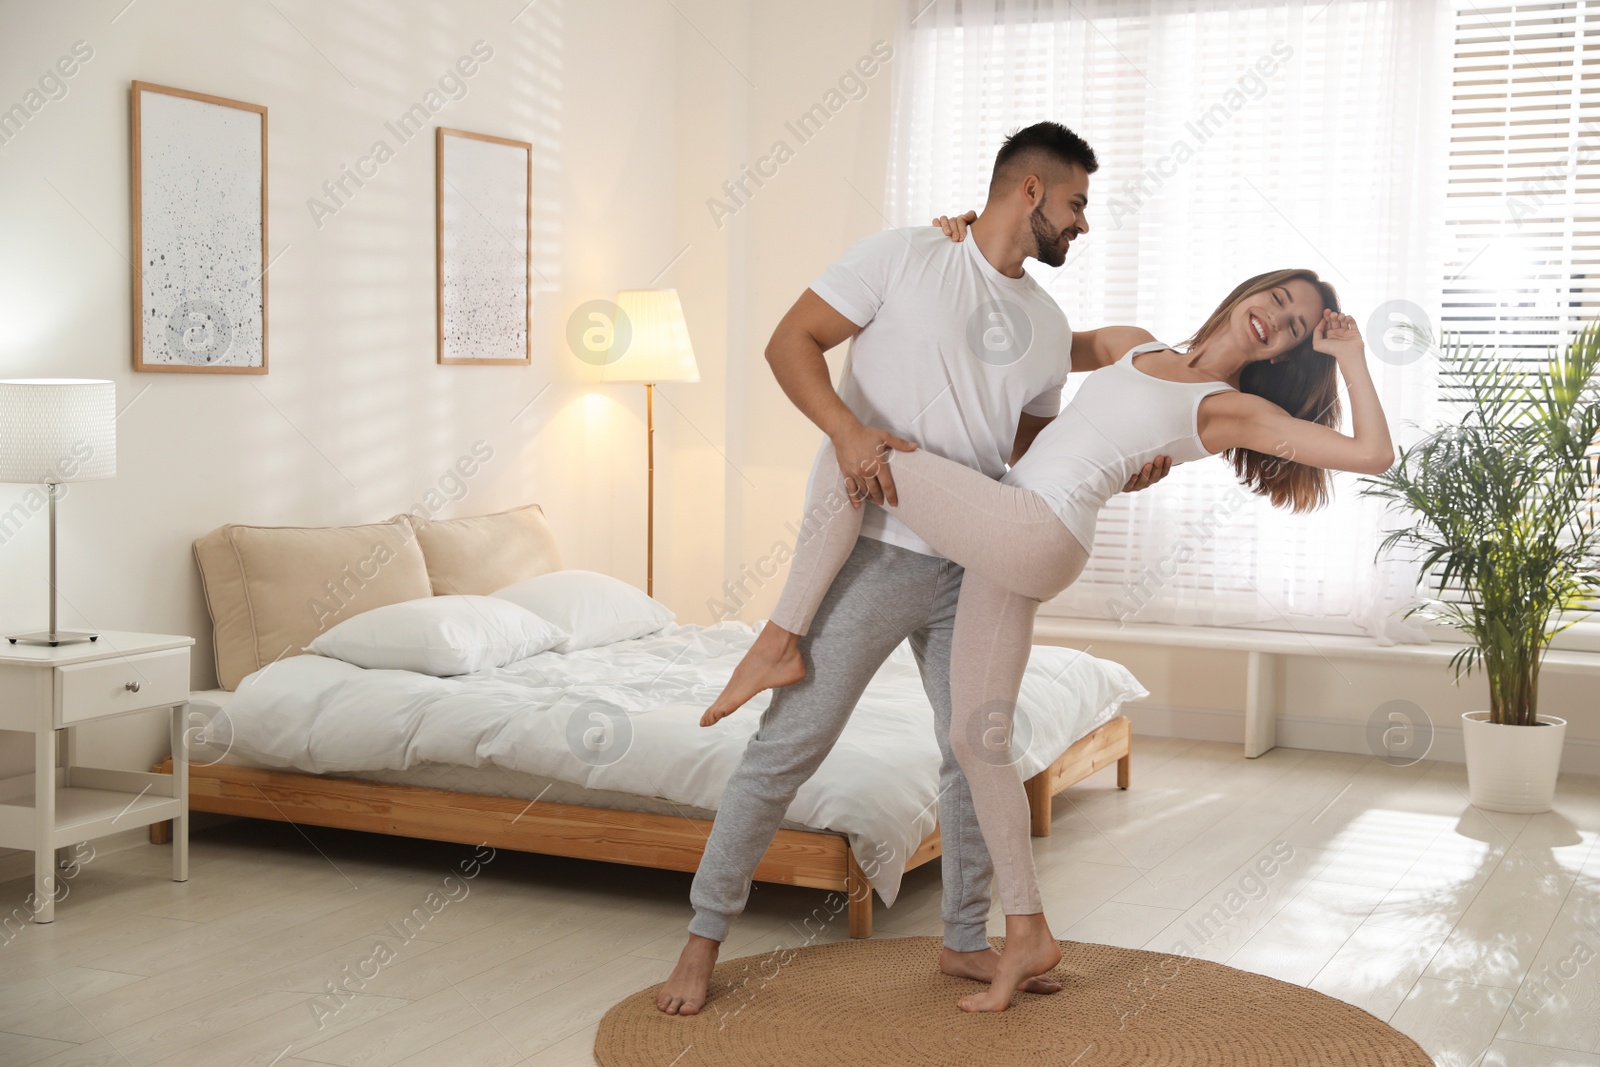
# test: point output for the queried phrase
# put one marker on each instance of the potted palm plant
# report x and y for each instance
(1501, 508)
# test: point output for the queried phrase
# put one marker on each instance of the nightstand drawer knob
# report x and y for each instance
(132, 687)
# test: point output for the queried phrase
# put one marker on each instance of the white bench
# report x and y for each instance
(1266, 651)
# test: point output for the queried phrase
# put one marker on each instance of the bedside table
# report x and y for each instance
(44, 689)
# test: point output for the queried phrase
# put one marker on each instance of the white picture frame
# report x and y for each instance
(199, 232)
(484, 261)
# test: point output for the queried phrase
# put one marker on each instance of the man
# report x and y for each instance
(957, 348)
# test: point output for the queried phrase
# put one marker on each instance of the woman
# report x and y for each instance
(1258, 382)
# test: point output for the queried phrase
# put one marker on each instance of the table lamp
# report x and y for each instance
(55, 430)
(658, 351)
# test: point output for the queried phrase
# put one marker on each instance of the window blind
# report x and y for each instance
(1522, 206)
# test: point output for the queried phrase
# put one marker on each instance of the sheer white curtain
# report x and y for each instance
(1233, 138)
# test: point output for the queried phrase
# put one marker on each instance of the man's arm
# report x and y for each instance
(1093, 349)
(810, 328)
(1028, 427)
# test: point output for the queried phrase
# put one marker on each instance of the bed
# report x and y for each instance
(501, 756)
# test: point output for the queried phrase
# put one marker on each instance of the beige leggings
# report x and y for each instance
(1016, 552)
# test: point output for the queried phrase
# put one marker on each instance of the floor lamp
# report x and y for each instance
(654, 349)
(55, 430)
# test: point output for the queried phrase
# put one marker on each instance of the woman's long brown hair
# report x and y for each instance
(1305, 383)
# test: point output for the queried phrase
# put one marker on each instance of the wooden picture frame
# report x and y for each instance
(483, 248)
(201, 175)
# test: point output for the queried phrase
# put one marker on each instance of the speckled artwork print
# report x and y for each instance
(200, 228)
(484, 258)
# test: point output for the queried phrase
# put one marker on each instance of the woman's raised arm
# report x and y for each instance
(1262, 426)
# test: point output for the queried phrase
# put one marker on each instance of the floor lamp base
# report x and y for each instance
(63, 637)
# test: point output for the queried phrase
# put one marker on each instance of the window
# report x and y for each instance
(1233, 138)
(1522, 207)
(1522, 203)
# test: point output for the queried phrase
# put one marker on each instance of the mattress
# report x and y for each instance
(618, 727)
(486, 780)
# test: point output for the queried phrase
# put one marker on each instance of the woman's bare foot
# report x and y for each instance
(1030, 951)
(685, 991)
(980, 967)
(772, 663)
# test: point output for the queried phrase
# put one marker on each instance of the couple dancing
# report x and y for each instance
(958, 349)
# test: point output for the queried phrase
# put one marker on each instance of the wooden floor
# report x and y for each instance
(1477, 933)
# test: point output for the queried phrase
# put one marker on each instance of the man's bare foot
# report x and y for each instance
(772, 663)
(685, 991)
(1030, 951)
(980, 967)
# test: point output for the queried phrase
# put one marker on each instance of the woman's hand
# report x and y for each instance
(1336, 335)
(956, 228)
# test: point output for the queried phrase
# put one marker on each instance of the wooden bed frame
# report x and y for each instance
(811, 858)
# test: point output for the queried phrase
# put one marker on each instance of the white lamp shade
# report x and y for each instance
(658, 348)
(57, 430)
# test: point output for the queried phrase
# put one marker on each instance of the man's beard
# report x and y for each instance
(1048, 241)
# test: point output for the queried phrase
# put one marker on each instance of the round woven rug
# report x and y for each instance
(884, 1001)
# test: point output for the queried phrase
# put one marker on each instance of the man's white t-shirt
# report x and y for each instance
(950, 352)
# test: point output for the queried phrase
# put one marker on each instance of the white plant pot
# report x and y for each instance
(1512, 768)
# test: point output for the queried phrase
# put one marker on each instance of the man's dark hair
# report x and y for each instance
(1043, 141)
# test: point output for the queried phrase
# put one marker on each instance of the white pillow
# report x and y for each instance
(439, 635)
(594, 609)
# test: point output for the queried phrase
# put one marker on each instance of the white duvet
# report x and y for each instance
(626, 716)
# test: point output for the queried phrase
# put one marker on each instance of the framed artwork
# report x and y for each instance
(483, 219)
(199, 232)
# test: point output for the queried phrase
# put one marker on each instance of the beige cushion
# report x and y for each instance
(271, 589)
(478, 555)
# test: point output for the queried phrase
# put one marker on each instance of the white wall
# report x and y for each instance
(638, 112)
(355, 420)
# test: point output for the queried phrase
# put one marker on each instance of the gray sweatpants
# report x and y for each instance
(884, 595)
(1016, 553)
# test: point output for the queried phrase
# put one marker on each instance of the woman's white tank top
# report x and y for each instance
(1120, 419)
